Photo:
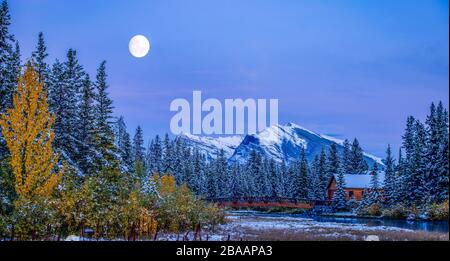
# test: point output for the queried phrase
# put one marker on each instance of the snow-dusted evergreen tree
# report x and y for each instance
(356, 159)
(138, 145)
(272, 173)
(413, 178)
(400, 178)
(255, 173)
(282, 180)
(266, 179)
(168, 155)
(222, 175)
(389, 179)
(416, 190)
(437, 154)
(333, 160)
(65, 87)
(339, 198)
(318, 179)
(374, 192)
(86, 132)
(301, 182)
(8, 57)
(105, 143)
(154, 156)
(39, 56)
(198, 181)
(323, 174)
(345, 162)
(235, 185)
(123, 143)
(9, 67)
(187, 166)
(59, 97)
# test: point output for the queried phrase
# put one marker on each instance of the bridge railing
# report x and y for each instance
(269, 199)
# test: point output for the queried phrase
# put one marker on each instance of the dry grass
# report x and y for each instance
(339, 235)
(239, 229)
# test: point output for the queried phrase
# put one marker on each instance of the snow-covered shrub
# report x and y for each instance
(399, 211)
(371, 210)
(352, 203)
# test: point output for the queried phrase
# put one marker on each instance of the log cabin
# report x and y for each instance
(355, 185)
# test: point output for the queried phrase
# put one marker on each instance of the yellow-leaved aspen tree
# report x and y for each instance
(27, 129)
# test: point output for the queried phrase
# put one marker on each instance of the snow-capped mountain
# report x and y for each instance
(279, 142)
(210, 145)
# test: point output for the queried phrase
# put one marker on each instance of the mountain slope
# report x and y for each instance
(279, 142)
(210, 145)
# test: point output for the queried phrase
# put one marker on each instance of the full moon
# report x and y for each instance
(139, 46)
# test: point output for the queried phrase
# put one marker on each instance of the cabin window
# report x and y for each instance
(350, 193)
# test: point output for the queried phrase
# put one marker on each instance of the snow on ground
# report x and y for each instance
(305, 224)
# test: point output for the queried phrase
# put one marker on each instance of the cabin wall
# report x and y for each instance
(349, 193)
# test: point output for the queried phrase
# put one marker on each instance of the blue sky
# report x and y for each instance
(343, 68)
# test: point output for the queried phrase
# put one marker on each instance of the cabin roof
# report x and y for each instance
(361, 181)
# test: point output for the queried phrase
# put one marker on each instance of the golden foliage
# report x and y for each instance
(27, 129)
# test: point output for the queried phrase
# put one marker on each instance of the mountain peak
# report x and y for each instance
(282, 142)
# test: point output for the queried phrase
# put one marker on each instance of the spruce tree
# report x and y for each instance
(389, 179)
(138, 145)
(374, 192)
(301, 182)
(339, 199)
(7, 73)
(104, 120)
(167, 156)
(86, 139)
(333, 160)
(356, 159)
(154, 155)
(437, 154)
(39, 56)
(346, 164)
(123, 143)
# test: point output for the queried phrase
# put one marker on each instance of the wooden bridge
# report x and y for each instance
(268, 202)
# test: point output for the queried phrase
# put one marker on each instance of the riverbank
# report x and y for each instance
(257, 226)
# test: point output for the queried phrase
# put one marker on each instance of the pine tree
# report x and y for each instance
(39, 56)
(104, 120)
(317, 189)
(123, 143)
(339, 199)
(334, 165)
(399, 180)
(356, 159)
(138, 145)
(389, 179)
(27, 128)
(221, 175)
(301, 183)
(6, 52)
(282, 172)
(437, 154)
(374, 192)
(323, 174)
(154, 156)
(57, 99)
(73, 82)
(416, 182)
(86, 130)
(273, 178)
(168, 156)
(346, 164)
(9, 67)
